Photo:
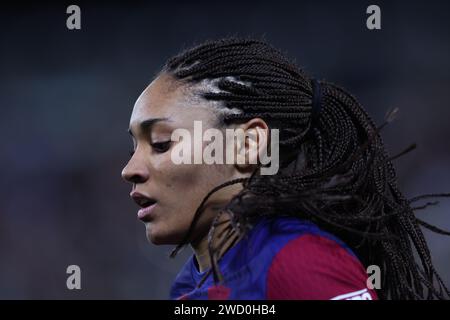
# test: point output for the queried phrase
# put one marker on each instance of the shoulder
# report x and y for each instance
(305, 262)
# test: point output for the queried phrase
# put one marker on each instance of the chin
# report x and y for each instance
(158, 238)
(152, 238)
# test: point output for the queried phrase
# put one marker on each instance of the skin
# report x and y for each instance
(179, 189)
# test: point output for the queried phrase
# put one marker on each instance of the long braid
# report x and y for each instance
(334, 170)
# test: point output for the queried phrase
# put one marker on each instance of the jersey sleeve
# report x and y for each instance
(315, 267)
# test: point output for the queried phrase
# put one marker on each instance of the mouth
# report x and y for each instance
(147, 205)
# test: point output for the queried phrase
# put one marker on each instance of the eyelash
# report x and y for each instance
(159, 147)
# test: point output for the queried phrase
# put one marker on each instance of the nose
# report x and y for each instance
(134, 172)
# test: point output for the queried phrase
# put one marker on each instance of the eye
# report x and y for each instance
(161, 147)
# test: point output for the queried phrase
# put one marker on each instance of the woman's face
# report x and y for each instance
(178, 190)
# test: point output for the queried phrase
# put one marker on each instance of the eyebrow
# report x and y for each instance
(147, 124)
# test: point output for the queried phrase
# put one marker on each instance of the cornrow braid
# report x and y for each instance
(334, 170)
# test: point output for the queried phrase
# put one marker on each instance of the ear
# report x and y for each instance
(251, 145)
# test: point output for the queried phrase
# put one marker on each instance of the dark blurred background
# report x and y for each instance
(66, 97)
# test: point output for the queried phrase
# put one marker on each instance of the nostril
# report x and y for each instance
(135, 173)
(136, 178)
(133, 176)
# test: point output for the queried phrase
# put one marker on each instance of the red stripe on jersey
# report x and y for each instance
(316, 268)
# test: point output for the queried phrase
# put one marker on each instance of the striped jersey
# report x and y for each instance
(280, 258)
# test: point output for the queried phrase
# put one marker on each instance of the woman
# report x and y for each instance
(312, 230)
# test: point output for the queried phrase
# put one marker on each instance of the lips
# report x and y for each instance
(145, 214)
(147, 205)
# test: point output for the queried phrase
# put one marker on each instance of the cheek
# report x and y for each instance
(184, 187)
(181, 188)
(190, 183)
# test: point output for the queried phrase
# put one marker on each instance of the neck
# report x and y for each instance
(200, 247)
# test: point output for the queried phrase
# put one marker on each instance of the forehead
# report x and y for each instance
(168, 98)
(157, 98)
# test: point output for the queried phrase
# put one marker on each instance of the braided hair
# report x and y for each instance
(334, 168)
